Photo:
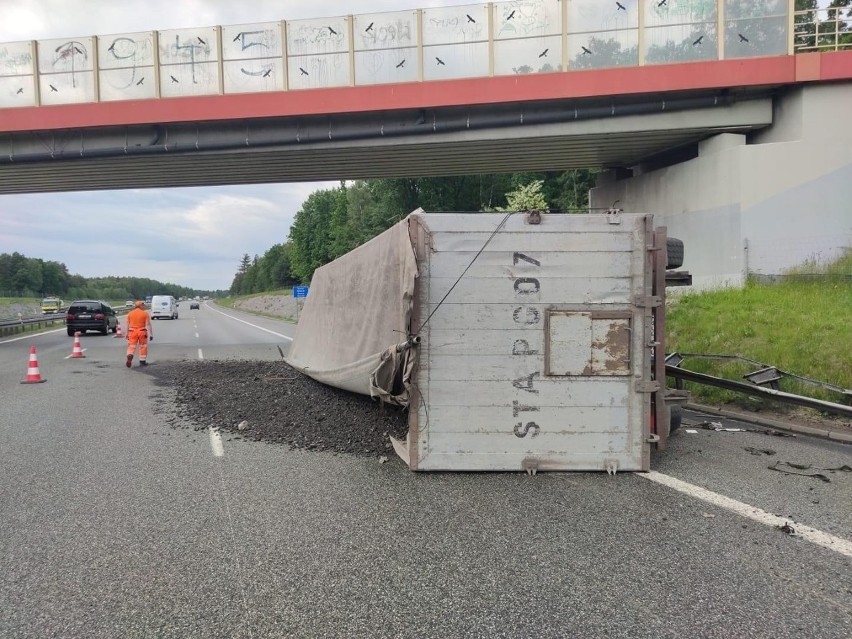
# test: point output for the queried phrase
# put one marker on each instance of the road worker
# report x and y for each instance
(139, 331)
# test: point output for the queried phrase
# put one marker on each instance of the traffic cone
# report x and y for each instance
(33, 376)
(118, 331)
(78, 350)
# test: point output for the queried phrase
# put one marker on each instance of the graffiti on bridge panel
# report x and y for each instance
(252, 57)
(126, 66)
(66, 73)
(189, 62)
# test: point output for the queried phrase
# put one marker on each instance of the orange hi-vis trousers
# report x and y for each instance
(138, 336)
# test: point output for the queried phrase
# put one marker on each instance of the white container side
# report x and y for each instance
(536, 358)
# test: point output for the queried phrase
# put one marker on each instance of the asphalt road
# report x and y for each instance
(113, 524)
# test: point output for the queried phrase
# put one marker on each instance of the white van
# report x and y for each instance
(164, 306)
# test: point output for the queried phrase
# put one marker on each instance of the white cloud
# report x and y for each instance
(192, 237)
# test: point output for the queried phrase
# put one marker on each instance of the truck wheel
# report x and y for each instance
(674, 252)
(70, 332)
(675, 418)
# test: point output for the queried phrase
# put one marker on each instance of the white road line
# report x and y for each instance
(200, 354)
(196, 336)
(72, 354)
(837, 544)
(216, 443)
(18, 339)
(250, 324)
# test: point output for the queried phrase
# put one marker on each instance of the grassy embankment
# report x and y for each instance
(802, 325)
(232, 302)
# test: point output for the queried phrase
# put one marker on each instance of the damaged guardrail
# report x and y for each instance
(763, 383)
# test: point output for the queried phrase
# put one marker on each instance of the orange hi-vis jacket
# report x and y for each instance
(137, 319)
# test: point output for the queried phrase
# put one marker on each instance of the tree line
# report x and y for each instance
(332, 222)
(22, 276)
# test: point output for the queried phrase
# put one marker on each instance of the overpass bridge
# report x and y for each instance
(641, 87)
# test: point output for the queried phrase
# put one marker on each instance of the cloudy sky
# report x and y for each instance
(188, 236)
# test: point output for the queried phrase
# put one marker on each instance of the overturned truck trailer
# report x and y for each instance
(520, 341)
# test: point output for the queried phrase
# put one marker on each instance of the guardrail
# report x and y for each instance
(763, 382)
(10, 326)
(826, 29)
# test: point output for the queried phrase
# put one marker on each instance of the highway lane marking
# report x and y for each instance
(200, 354)
(818, 537)
(18, 339)
(216, 443)
(250, 324)
(196, 335)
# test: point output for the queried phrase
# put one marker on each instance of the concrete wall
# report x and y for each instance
(760, 204)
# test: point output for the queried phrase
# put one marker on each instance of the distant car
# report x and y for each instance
(194, 305)
(90, 315)
(129, 304)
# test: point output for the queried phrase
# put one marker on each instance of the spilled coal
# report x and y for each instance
(271, 402)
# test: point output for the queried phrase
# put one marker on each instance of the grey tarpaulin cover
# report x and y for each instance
(356, 317)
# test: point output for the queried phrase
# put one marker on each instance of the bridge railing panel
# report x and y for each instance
(680, 32)
(318, 53)
(252, 56)
(127, 66)
(66, 70)
(603, 35)
(386, 47)
(755, 28)
(527, 37)
(189, 62)
(17, 75)
(455, 42)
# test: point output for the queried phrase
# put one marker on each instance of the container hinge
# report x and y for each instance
(647, 301)
(653, 438)
(611, 466)
(530, 464)
(612, 216)
(643, 386)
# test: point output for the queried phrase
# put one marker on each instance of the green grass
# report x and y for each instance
(231, 301)
(801, 327)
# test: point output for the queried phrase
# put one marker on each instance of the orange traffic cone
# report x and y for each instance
(78, 350)
(118, 331)
(33, 376)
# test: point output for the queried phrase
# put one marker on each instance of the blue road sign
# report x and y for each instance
(300, 291)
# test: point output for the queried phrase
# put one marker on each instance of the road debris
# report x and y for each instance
(759, 451)
(719, 427)
(276, 404)
(787, 528)
(792, 468)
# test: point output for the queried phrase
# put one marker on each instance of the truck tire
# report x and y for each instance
(675, 418)
(674, 252)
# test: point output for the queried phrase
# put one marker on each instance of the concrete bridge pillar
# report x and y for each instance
(757, 203)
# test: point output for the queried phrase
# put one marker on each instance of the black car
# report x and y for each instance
(90, 315)
(194, 305)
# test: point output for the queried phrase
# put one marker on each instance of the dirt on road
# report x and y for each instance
(272, 402)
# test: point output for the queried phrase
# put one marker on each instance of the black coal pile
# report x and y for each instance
(272, 402)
